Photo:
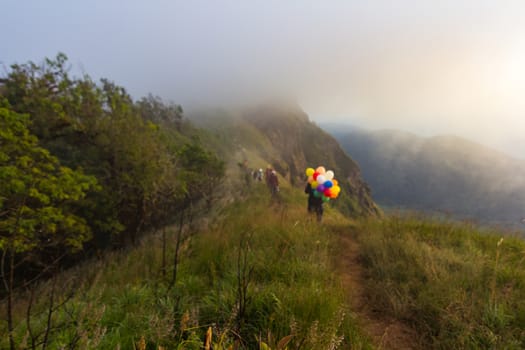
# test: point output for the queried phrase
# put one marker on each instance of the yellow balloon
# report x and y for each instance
(310, 171)
(314, 184)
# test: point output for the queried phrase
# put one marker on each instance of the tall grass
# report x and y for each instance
(460, 288)
(259, 273)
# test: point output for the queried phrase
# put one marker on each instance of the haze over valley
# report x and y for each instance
(443, 174)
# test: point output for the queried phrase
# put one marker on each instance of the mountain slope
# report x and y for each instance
(443, 173)
(284, 137)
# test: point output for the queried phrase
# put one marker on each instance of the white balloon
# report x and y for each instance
(329, 175)
(321, 179)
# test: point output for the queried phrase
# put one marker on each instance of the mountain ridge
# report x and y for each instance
(443, 173)
(282, 135)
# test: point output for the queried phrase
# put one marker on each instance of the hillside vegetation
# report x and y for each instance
(446, 174)
(264, 273)
(457, 287)
(260, 273)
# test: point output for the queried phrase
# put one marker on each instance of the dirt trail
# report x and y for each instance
(385, 332)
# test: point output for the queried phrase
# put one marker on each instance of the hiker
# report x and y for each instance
(260, 175)
(315, 204)
(273, 182)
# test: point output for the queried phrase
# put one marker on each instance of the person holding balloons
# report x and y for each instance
(315, 203)
(321, 187)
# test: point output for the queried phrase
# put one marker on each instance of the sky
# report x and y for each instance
(429, 67)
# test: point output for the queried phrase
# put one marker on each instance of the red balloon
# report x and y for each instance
(328, 192)
(316, 174)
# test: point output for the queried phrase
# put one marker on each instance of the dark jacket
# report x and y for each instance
(313, 201)
(273, 180)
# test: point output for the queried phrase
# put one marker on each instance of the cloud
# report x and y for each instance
(447, 66)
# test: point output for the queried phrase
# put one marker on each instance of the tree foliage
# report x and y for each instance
(134, 149)
(152, 108)
(36, 192)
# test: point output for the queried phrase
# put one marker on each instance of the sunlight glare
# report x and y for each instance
(513, 72)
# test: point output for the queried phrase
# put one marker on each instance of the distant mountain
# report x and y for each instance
(282, 135)
(444, 173)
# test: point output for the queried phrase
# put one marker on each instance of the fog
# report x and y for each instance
(454, 67)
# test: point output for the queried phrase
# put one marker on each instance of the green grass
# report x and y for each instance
(281, 256)
(459, 288)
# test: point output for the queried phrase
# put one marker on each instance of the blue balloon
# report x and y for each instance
(328, 184)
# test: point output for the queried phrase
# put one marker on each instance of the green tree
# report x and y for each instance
(41, 91)
(98, 128)
(139, 152)
(154, 109)
(37, 204)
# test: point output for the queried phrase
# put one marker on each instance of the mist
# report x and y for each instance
(452, 67)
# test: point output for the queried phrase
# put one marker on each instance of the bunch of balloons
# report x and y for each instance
(323, 183)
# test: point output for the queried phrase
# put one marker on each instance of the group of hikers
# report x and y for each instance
(270, 176)
(315, 203)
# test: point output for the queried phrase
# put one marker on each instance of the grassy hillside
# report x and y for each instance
(264, 272)
(446, 174)
(457, 287)
(259, 273)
